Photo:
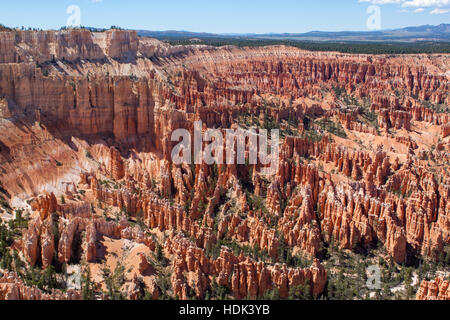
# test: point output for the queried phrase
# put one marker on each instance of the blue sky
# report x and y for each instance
(230, 16)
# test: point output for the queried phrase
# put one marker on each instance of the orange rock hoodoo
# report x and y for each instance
(86, 122)
(434, 290)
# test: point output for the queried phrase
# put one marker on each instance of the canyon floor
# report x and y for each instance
(93, 207)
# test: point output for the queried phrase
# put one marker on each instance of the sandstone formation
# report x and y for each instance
(85, 149)
(434, 290)
(13, 288)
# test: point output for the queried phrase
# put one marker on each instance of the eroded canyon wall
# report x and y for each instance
(88, 118)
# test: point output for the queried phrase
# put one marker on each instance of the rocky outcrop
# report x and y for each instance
(13, 288)
(434, 290)
(446, 130)
(394, 119)
(86, 120)
(70, 242)
(145, 268)
(31, 242)
(45, 205)
(242, 275)
(121, 44)
(116, 166)
(39, 242)
(45, 46)
(350, 219)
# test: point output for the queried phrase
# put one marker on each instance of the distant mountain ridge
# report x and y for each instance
(409, 34)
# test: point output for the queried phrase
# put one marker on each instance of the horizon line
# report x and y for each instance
(221, 33)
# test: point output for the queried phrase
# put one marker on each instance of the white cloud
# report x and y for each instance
(439, 6)
(382, 1)
(439, 11)
(426, 3)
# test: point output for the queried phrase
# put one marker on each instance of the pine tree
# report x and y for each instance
(87, 286)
